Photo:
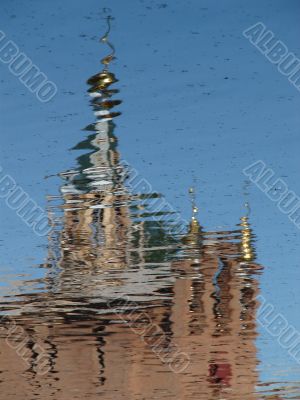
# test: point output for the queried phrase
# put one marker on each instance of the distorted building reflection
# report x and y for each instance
(200, 289)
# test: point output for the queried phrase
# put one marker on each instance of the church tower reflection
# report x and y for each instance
(96, 223)
(219, 307)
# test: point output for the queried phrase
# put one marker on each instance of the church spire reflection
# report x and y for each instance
(96, 222)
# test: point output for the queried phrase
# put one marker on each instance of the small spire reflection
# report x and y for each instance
(248, 252)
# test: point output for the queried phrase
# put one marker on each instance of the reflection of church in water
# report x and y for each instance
(200, 289)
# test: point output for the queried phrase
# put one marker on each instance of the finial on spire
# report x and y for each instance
(104, 39)
(193, 201)
(194, 224)
(247, 206)
(248, 252)
(193, 236)
(100, 89)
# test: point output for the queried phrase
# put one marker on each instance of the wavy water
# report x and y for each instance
(128, 306)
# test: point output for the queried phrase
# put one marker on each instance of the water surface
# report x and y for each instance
(126, 298)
